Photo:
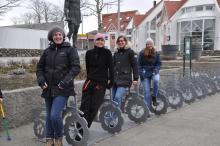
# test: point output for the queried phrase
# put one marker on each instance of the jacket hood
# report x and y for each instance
(126, 47)
(64, 44)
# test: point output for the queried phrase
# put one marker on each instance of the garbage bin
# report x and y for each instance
(170, 51)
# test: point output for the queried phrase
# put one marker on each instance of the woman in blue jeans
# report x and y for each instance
(149, 67)
(56, 70)
(125, 63)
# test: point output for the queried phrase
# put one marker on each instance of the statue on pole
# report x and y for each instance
(73, 17)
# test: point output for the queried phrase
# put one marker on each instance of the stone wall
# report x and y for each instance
(20, 105)
(20, 52)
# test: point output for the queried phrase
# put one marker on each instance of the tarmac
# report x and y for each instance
(197, 124)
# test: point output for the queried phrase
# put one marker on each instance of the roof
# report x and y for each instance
(39, 26)
(112, 19)
(141, 18)
(138, 19)
(172, 7)
(218, 2)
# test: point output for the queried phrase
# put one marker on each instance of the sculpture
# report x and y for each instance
(73, 17)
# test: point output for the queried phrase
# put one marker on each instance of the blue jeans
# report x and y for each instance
(147, 85)
(117, 93)
(54, 121)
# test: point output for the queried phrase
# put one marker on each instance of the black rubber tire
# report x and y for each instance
(124, 103)
(39, 127)
(137, 110)
(76, 130)
(67, 112)
(200, 90)
(162, 107)
(108, 122)
(174, 97)
(188, 93)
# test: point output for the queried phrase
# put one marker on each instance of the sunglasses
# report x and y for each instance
(121, 41)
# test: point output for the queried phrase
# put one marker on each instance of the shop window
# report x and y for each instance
(199, 8)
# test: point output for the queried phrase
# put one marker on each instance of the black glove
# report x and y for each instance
(62, 85)
(41, 84)
(109, 86)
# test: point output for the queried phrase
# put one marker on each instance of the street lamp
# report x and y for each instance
(119, 27)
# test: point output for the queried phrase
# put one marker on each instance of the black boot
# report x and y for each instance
(154, 100)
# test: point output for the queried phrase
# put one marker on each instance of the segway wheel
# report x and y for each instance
(76, 130)
(189, 94)
(174, 98)
(162, 105)
(111, 119)
(39, 128)
(137, 110)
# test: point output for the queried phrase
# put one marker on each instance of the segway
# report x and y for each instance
(136, 108)
(110, 116)
(76, 128)
(162, 104)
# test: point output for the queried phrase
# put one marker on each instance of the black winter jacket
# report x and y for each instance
(99, 65)
(1, 94)
(125, 62)
(58, 63)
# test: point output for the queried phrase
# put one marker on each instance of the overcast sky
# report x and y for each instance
(89, 23)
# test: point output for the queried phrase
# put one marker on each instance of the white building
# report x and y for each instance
(198, 19)
(26, 36)
(168, 22)
(146, 27)
(22, 38)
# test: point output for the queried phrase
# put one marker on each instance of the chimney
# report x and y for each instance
(155, 3)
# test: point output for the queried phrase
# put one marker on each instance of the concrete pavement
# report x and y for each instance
(192, 125)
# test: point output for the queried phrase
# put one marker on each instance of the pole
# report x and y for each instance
(119, 30)
(82, 32)
(5, 122)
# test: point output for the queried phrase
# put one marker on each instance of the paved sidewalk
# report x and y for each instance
(192, 125)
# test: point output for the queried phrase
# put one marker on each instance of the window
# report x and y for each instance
(183, 10)
(209, 8)
(199, 8)
(128, 31)
(209, 34)
(201, 31)
(153, 24)
(188, 9)
(153, 37)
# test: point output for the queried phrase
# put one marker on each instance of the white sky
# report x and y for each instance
(89, 23)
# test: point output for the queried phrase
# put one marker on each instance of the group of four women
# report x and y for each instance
(59, 65)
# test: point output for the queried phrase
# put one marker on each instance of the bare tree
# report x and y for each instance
(36, 7)
(96, 7)
(46, 7)
(6, 5)
(56, 14)
(27, 18)
(43, 11)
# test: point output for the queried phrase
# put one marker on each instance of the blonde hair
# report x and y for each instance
(150, 40)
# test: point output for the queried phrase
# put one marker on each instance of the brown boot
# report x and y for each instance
(49, 142)
(58, 142)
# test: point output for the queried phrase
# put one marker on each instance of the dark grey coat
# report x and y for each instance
(125, 63)
(58, 63)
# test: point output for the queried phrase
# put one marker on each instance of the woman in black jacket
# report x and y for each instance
(56, 70)
(99, 69)
(125, 63)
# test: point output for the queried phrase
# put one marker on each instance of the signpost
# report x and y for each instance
(187, 54)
